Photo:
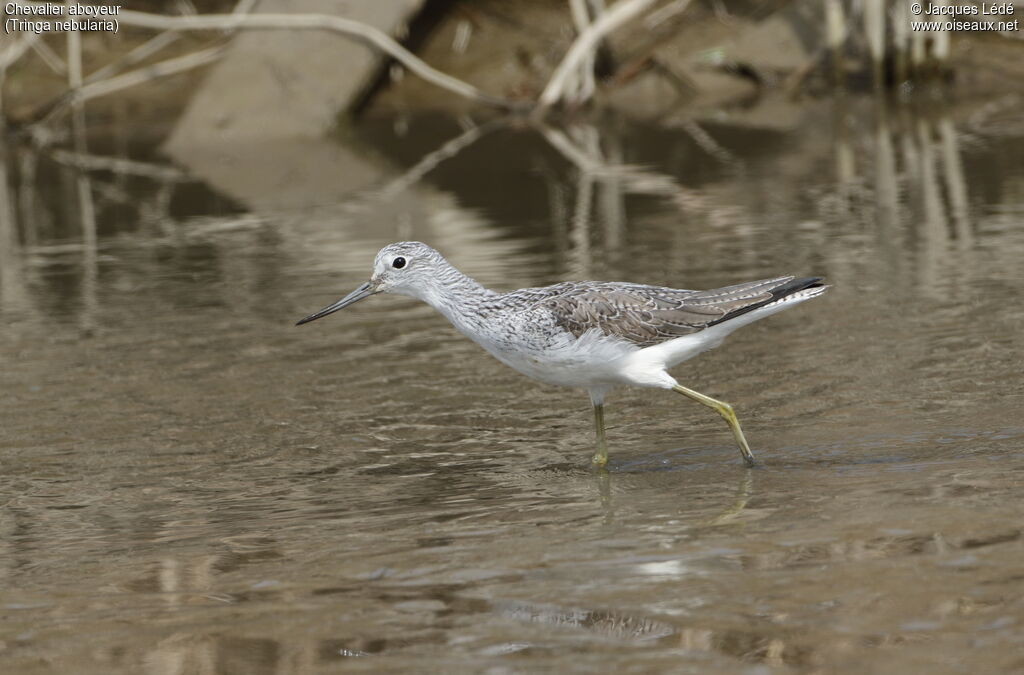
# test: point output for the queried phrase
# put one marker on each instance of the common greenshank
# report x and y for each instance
(591, 334)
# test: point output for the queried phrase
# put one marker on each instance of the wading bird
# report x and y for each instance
(590, 334)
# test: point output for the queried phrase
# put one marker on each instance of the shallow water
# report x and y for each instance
(191, 484)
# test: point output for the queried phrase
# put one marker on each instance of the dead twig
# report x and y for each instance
(581, 86)
(50, 57)
(118, 165)
(354, 29)
(148, 73)
(16, 49)
(140, 53)
(669, 11)
(584, 46)
(130, 79)
(154, 45)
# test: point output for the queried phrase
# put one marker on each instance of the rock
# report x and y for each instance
(287, 83)
(256, 129)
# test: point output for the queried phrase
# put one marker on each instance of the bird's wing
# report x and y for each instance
(649, 315)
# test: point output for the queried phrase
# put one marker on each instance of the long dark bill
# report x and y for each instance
(364, 291)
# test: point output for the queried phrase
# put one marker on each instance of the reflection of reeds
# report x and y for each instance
(12, 286)
(86, 207)
(901, 41)
(119, 166)
(602, 170)
(845, 162)
(956, 183)
(835, 36)
(886, 186)
(895, 54)
(874, 32)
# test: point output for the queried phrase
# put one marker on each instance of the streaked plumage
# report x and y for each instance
(588, 334)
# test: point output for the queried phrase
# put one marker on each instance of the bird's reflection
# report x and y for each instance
(604, 482)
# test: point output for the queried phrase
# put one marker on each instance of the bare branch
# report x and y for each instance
(585, 44)
(49, 57)
(667, 12)
(16, 49)
(119, 166)
(155, 44)
(582, 86)
(140, 53)
(348, 27)
(147, 74)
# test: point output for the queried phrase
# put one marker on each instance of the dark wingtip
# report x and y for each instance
(778, 293)
(795, 286)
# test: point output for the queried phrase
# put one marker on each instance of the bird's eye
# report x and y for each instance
(398, 263)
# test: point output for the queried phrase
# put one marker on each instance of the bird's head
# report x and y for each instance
(405, 268)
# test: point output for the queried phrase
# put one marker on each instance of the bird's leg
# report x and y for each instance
(601, 456)
(726, 411)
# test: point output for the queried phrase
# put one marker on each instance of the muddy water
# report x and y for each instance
(190, 484)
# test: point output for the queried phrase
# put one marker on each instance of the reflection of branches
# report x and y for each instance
(12, 285)
(667, 12)
(590, 143)
(429, 161)
(614, 180)
(707, 143)
(633, 178)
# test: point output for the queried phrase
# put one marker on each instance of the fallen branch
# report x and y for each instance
(50, 57)
(354, 29)
(16, 49)
(140, 53)
(130, 79)
(119, 166)
(154, 45)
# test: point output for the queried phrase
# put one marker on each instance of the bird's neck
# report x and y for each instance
(459, 298)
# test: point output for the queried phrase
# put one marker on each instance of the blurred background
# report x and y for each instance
(190, 484)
